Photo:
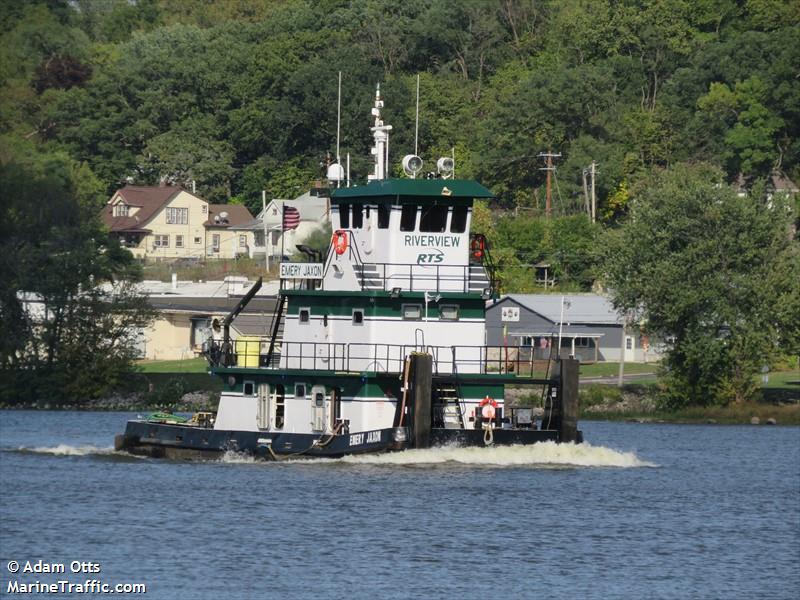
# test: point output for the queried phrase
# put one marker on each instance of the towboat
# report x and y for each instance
(379, 346)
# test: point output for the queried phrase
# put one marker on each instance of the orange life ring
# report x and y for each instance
(478, 246)
(340, 242)
(488, 406)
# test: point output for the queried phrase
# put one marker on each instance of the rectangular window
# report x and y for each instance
(161, 241)
(179, 241)
(121, 210)
(205, 209)
(358, 216)
(384, 210)
(177, 216)
(408, 217)
(629, 343)
(215, 242)
(412, 312)
(526, 341)
(300, 390)
(242, 241)
(448, 312)
(434, 219)
(458, 220)
(198, 241)
(305, 315)
(358, 317)
(583, 342)
(249, 388)
(344, 216)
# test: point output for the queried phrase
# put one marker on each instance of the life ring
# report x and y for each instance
(488, 406)
(478, 247)
(340, 242)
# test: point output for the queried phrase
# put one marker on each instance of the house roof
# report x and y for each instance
(418, 188)
(237, 216)
(590, 309)
(149, 200)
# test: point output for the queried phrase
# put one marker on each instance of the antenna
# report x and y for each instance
(338, 126)
(416, 126)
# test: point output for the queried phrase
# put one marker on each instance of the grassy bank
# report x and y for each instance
(639, 402)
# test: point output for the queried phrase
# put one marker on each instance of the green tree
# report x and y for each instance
(715, 274)
(69, 295)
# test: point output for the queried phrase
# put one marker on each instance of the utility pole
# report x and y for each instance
(591, 198)
(548, 156)
(594, 197)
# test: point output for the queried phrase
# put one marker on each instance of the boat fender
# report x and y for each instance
(340, 241)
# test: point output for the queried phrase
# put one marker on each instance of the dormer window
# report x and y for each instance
(120, 210)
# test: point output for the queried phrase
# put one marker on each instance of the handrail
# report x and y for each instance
(420, 272)
(451, 361)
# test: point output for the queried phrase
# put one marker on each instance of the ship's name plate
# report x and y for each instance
(369, 437)
(301, 270)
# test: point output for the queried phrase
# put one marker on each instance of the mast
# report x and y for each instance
(380, 133)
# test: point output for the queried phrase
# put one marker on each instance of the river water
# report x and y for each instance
(640, 511)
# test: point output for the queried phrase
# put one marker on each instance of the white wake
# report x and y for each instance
(67, 450)
(543, 455)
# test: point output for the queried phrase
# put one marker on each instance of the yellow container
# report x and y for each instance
(248, 349)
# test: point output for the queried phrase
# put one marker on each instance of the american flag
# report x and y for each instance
(291, 218)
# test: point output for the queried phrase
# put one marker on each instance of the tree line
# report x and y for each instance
(237, 97)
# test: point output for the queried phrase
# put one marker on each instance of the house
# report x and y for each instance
(588, 325)
(777, 183)
(189, 313)
(277, 229)
(168, 222)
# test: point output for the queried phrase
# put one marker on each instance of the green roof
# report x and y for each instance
(433, 188)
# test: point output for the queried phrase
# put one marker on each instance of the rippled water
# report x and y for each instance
(655, 511)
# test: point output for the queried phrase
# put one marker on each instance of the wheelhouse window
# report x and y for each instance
(358, 216)
(412, 312)
(434, 219)
(344, 216)
(384, 211)
(408, 217)
(458, 220)
(448, 312)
